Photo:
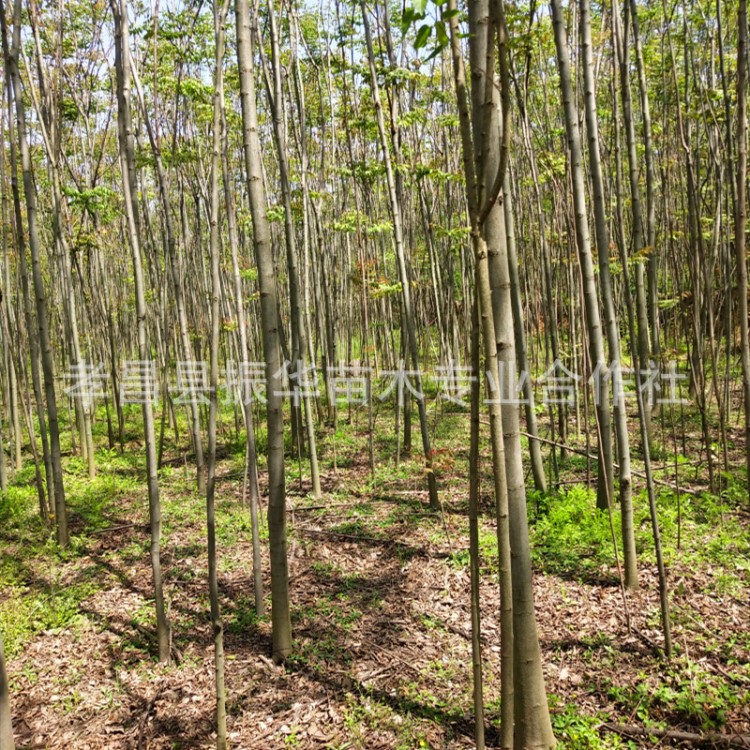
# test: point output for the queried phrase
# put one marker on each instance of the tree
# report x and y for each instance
(280, 617)
(127, 164)
(45, 490)
(46, 105)
(297, 310)
(220, 14)
(592, 318)
(11, 66)
(740, 219)
(186, 350)
(525, 714)
(405, 279)
(6, 725)
(612, 327)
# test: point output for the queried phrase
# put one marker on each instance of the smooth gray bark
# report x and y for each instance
(605, 281)
(280, 616)
(6, 724)
(45, 345)
(406, 295)
(127, 162)
(599, 367)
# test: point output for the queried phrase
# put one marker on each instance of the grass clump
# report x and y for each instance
(571, 535)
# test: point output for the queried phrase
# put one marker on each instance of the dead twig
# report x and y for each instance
(122, 527)
(143, 720)
(708, 739)
(586, 454)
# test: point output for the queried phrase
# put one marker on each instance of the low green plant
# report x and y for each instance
(577, 731)
(572, 536)
(686, 694)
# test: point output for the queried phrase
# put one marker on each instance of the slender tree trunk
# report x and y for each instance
(652, 262)
(127, 162)
(251, 455)
(220, 14)
(46, 493)
(15, 419)
(535, 447)
(641, 308)
(6, 726)
(44, 103)
(740, 219)
(605, 280)
(487, 328)
(11, 57)
(186, 350)
(474, 555)
(298, 314)
(406, 295)
(525, 715)
(280, 616)
(605, 485)
(643, 414)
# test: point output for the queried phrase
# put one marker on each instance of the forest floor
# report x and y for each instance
(380, 592)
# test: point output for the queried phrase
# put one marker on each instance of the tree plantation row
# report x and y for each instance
(471, 277)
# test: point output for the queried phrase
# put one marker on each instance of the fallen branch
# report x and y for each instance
(708, 739)
(124, 526)
(174, 652)
(348, 537)
(143, 720)
(305, 508)
(661, 482)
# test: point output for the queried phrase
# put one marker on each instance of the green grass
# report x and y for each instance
(683, 693)
(712, 537)
(571, 537)
(31, 565)
(577, 731)
(488, 554)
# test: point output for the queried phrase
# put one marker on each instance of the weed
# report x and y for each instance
(685, 695)
(576, 731)
(573, 536)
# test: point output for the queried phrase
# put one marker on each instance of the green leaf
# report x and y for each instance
(435, 52)
(407, 19)
(442, 36)
(422, 36)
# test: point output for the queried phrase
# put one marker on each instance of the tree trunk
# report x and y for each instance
(220, 14)
(127, 162)
(251, 455)
(641, 307)
(11, 58)
(535, 448)
(474, 551)
(280, 616)
(186, 350)
(6, 725)
(46, 493)
(610, 313)
(84, 403)
(406, 296)
(652, 262)
(605, 484)
(740, 219)
(525, 715)
(298, 314)
(15, 419)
